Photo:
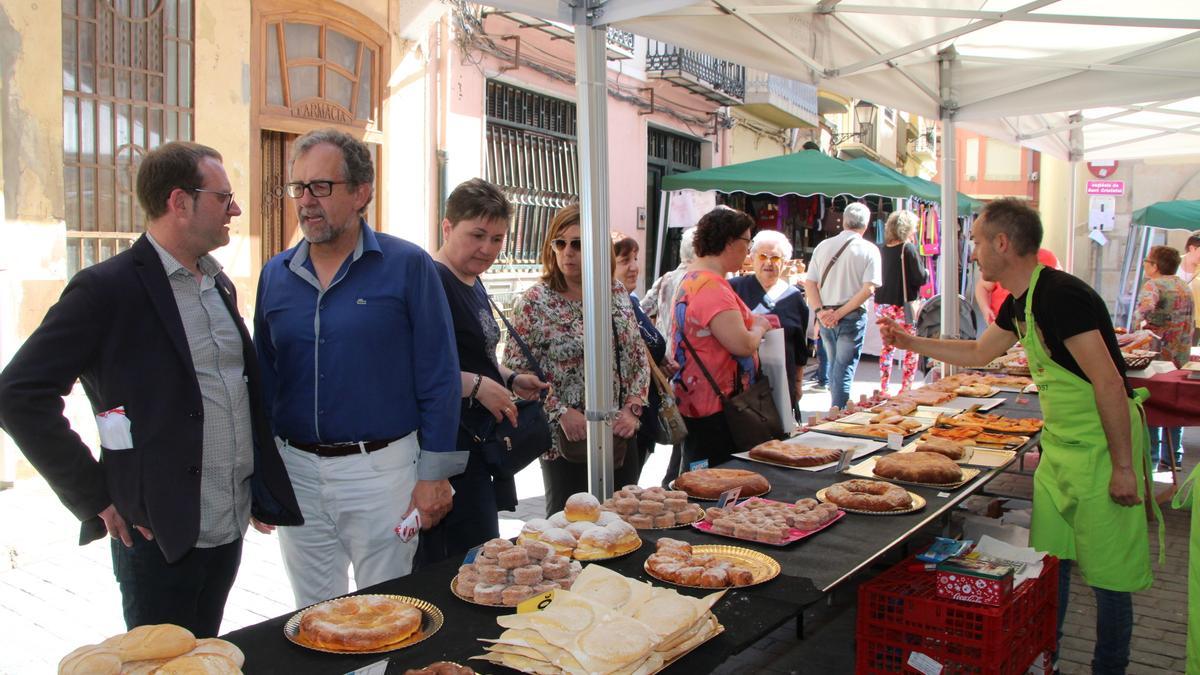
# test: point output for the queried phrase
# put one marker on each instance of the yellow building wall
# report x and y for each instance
(749, 142)
(1053, 200)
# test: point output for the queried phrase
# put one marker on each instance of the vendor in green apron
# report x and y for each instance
(1090, 479)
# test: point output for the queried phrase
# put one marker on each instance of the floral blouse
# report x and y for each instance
(552, 327)
(1165, 304)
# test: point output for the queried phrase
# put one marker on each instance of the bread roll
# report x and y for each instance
(199, 664)
(220, 647)
(90, 660)
(582, 506)
(157, 641)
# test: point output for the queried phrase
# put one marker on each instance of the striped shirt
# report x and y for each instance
(228, 448)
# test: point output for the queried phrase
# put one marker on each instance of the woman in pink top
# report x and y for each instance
(721, 329)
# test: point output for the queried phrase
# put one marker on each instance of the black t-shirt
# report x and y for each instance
(1063, 307)
(475, 331)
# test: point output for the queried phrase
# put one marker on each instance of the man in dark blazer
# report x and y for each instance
(187, 459)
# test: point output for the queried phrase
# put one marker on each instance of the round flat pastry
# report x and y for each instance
(868, 495)
(710, 483)
(942, 446)
(794, 454)
(358, 623)
(919, 467)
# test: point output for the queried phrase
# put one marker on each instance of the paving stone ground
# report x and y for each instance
(56, 595)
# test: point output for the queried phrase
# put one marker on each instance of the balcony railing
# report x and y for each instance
(716, 79)
(797, 99)
(622, 39)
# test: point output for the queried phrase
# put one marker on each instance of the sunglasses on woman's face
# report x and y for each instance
(560, 244)
(774, 259)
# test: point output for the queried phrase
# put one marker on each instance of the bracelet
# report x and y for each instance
(475, 388)
(508, 381)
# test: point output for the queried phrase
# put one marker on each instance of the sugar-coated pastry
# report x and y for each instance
(562, 540)
(623, 494)
(651, 507)
(555, 567)
(582, 506)
(714, 577)
(626, 505)
(558, 519)
(493, 574)
(675, 505)
(465, 588)
(675, 494)
(712, 513)
(578, 527)
(807, 502)
(608, 518)
(489, 594)
(669, 542)
(664, 520)
(640, 520)
(514, 594)
(739, 576)
(513, 558)
(690, 575)
(527, 575)
(537, 549)
(690, 514)
(655, 493)
(493, 547)
(723, 526)
(633, 489)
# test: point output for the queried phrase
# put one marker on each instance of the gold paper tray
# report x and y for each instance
(917, 500)
(762, 566)
(431, 621)
(866, 468)
(741, 496)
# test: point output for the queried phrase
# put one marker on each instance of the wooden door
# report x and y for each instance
(280, 226)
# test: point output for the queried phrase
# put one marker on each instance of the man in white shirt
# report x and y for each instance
(843, 274)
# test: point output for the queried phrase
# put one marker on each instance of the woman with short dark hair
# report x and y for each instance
(720, 328)
(1165, 308)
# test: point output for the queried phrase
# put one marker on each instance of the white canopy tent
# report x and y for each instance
(1074, 78)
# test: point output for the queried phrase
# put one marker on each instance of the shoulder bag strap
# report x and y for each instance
(832, 262)
(533, 363)
(700, 364)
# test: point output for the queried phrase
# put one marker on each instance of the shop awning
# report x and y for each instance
(924, 189)
(809, 172)
(1181, 214)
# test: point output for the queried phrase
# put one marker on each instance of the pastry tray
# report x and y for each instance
(431, 620)
(609, 557)
(861, 446)
(794, 534)
(865, 469)
(668, 527)
(842, 428)
(762, 566)
(671, 486)
(918, 503)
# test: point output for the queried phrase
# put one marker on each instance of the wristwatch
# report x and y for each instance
(636, 409)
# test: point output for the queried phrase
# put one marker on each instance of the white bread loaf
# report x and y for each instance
(221, 648)
(199, 664)
(158, 641)
(90, 660)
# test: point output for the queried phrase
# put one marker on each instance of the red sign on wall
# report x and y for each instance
(1103, 168)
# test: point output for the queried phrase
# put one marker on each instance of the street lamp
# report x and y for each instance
(864, 114)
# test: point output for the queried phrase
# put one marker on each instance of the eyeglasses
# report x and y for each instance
(318, 188)
(774, 259)
(560, 244)
(748, 240)
(227, 195)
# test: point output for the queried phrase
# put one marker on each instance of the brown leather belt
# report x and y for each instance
(341, 449)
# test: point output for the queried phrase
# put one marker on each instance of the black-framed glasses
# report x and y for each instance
(227, 195)
(748, 240)
(560, 244)
(318, 188)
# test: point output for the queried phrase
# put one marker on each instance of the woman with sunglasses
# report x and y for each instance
(720, 329)
(768, 292)
(903, 276)
(549, 318)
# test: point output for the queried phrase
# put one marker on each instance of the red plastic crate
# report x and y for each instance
(900, 612)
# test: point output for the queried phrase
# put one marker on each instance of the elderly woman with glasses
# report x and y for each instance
(768, 292)
(1165, 308)
(549, 318)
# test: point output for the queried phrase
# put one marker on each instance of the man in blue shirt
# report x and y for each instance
(361, 377)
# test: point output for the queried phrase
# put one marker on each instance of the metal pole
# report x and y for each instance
(592, 120)
(1075, 154)
(949, 177)
(664, 202)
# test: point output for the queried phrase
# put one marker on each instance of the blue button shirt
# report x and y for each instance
(371, 357)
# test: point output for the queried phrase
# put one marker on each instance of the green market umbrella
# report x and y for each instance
(924, 189)
(809, 172)
(1181, 214)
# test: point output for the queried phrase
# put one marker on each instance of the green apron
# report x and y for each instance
(1073, 516)
(1185, 499)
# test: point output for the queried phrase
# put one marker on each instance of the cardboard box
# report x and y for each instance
(972, 580)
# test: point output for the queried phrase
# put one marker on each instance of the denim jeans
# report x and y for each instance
(822, 365)
(1114, 624)
(1159, 436)
(843, 346)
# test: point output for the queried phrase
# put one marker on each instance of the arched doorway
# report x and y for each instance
(312, 69)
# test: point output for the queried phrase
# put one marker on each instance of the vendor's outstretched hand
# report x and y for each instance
(1122, 487)
(893, 334)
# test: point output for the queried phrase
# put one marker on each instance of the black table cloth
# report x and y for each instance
(810, 568)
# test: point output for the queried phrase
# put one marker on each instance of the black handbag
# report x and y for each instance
(506, 448)
(576, 451)
(751, 414)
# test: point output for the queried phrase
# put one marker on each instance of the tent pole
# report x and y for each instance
(1075, 148)
(949, 175)
(591, 73)
(664, 201)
